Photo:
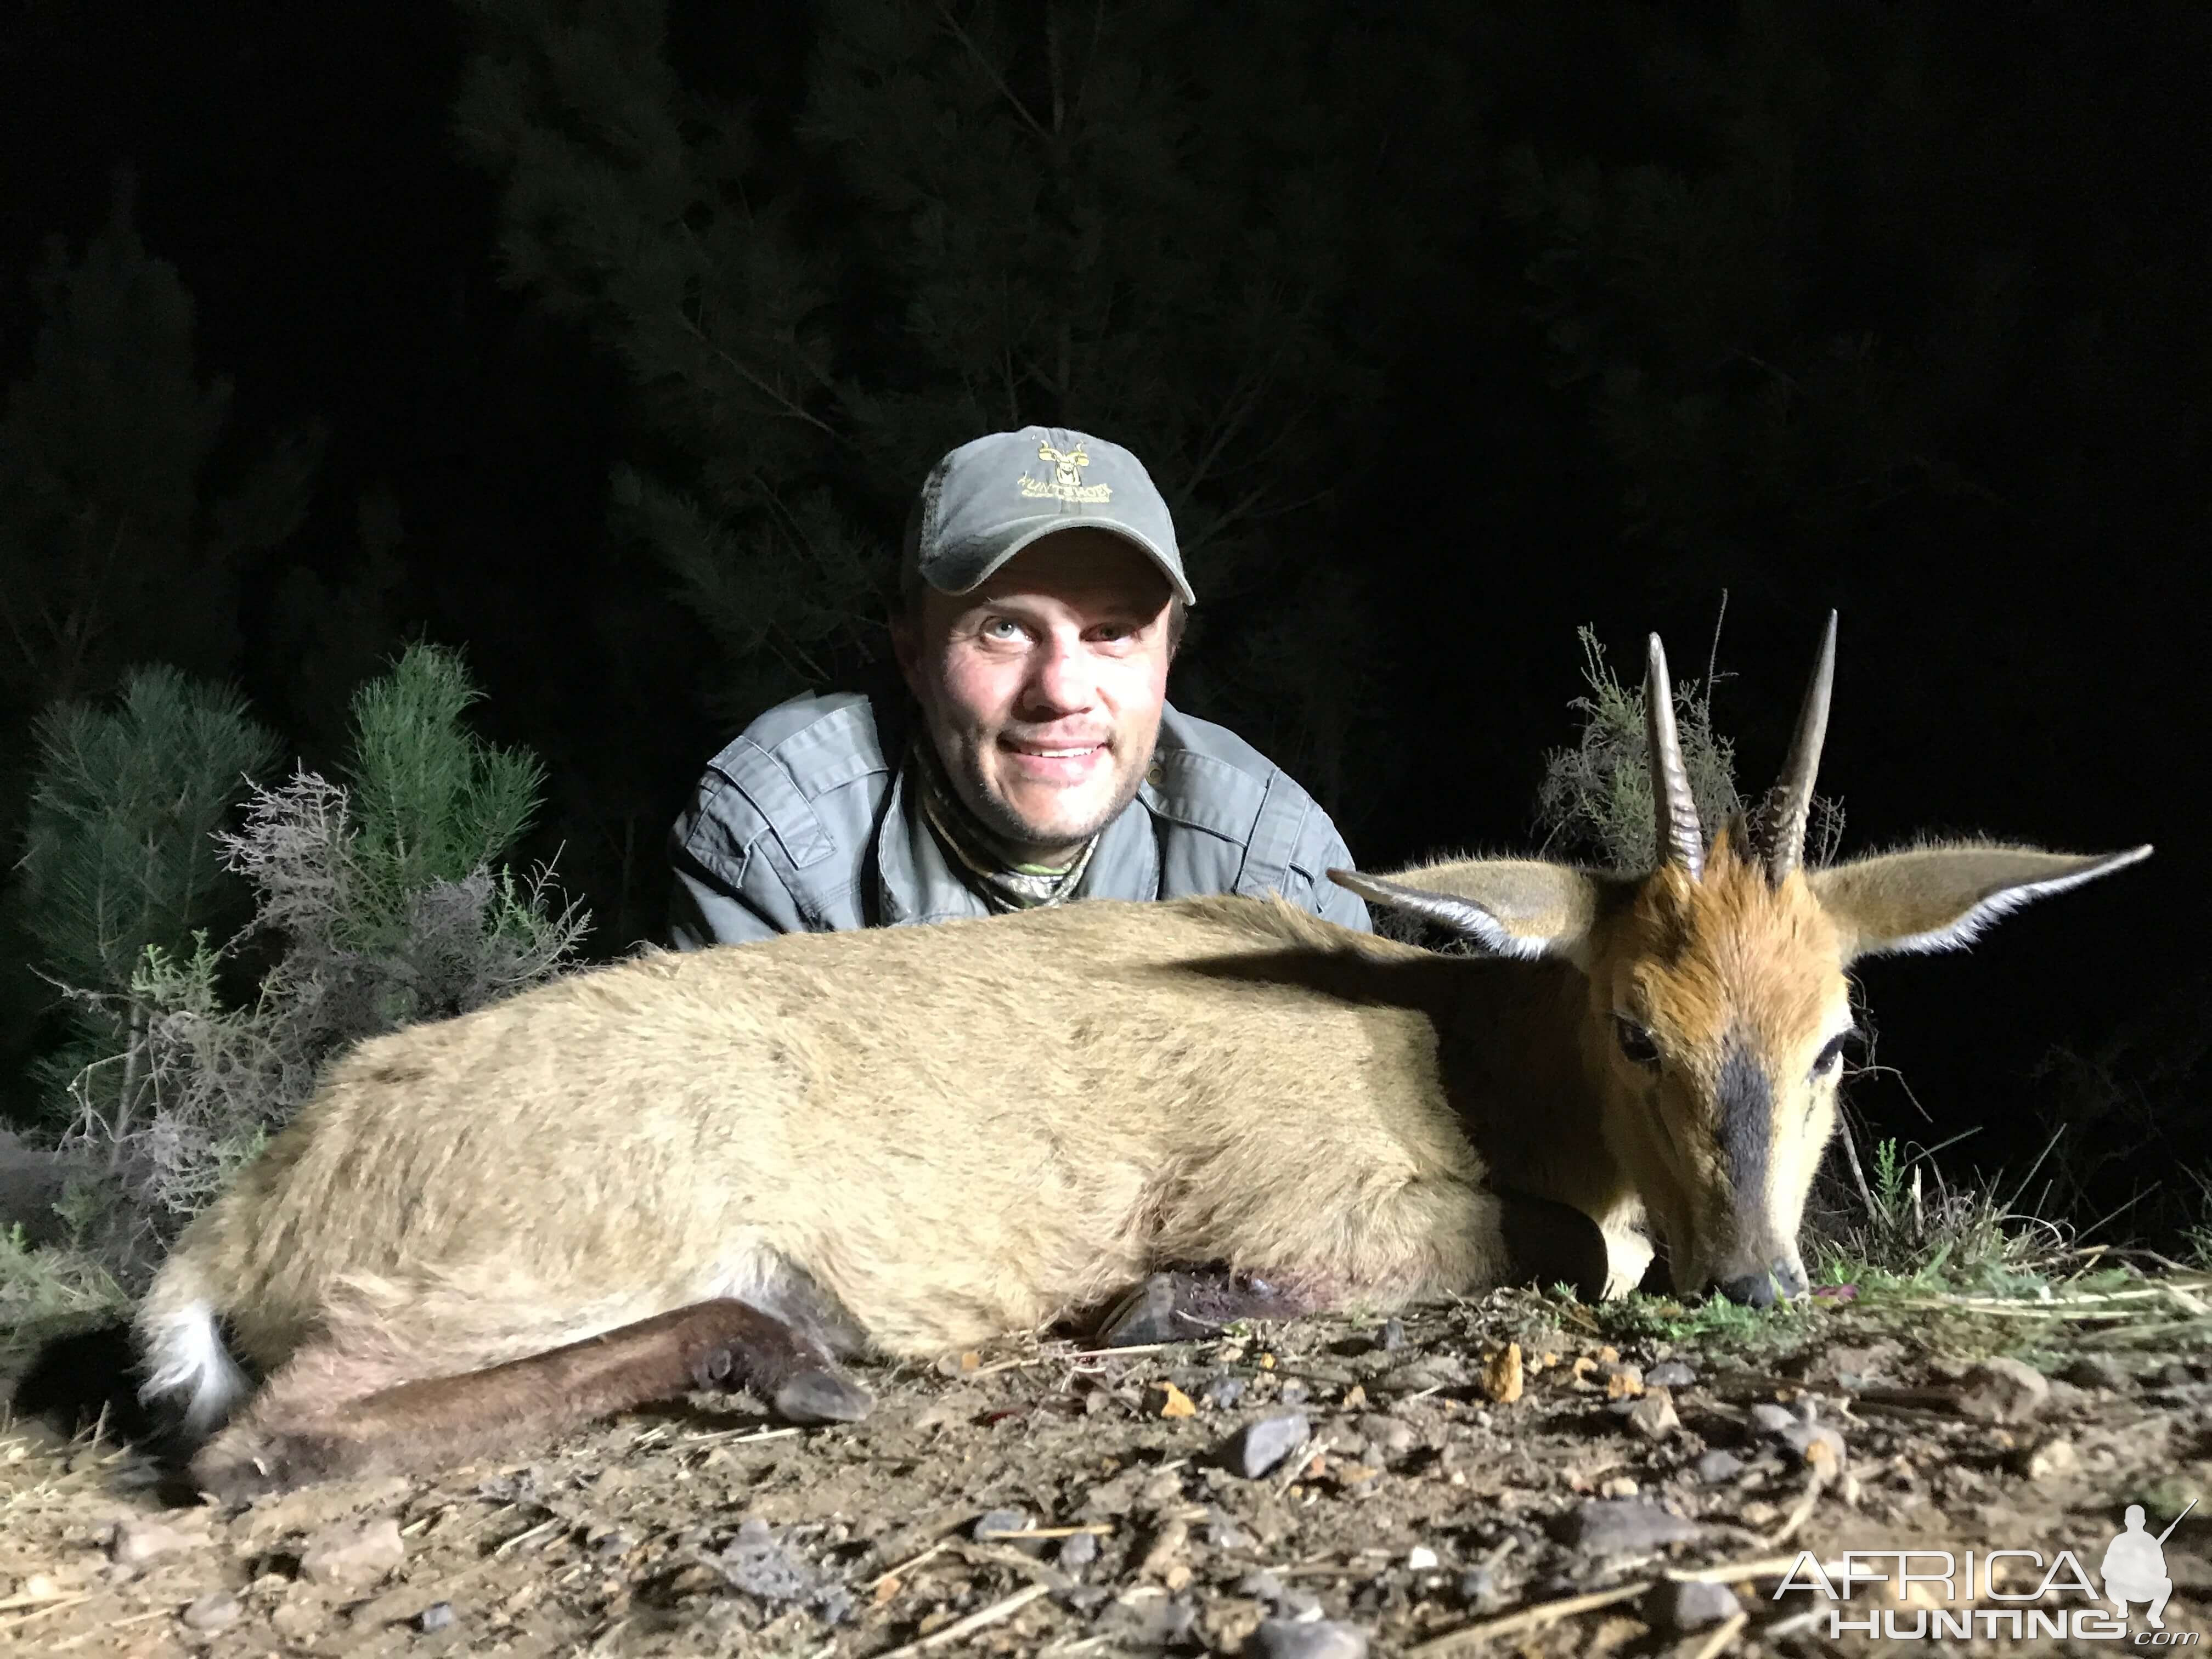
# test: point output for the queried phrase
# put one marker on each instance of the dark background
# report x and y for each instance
(2022, 616)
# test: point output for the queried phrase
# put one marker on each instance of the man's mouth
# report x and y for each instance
(1054, 762)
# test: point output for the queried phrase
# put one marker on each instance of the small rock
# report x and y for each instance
(1389, 1436)
(1266, 1443)
(1629, 1526)
(216, 1610)
(1670, 1374)
(1078, 1551)
(1393, 1335)
(1293, 1391)
(2051, 1460)
(2002, 1391)
(139, 1541)
(1653, 1416)
(2175, 1374)
(1421, 1558)
(1477, 1588)
(1769, 1418)
(1260, 1587)
(1173, 1402)
(2094, 1371)
(1303, 1606)
(1502, 1378)
(352, 1551)
(436, 1616)
(1280, 1638)
(1622, 1382)
(1222, 1532)
(1715, 1467)
(613, 1541)
(1816, 1444)
(1166, 1552)
(1619, 1486)
(1674, 1608)
(1223, 1392)
(992, 1520)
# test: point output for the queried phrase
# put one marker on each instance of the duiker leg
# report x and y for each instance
(297, 1431)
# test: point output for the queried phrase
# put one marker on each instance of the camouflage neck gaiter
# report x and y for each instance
(1005, 883)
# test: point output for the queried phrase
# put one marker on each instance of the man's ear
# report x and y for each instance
(1938, 898)
(906, 646)
(1510, 906)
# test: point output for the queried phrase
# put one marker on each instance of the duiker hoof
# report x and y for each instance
(234, 1469)
(819, 1396)
(1147, 1315)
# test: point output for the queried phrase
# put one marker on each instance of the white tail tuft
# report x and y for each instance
(184, 1355)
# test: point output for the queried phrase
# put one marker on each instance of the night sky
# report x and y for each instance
(2003, 670)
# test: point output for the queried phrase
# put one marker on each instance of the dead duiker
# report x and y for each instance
(737, 1166)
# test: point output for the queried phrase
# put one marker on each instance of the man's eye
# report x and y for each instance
(1000, 627)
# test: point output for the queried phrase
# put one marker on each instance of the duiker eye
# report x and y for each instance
(1635, 1041)
(1831, 1058)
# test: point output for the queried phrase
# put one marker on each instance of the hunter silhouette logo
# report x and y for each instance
(1996, 1595)
(2135, 1566)
(1066, 483)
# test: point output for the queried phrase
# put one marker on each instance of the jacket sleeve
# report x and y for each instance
(728, 889)
(705, 909)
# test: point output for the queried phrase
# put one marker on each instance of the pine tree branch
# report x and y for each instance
(997, 80)
(751, 378)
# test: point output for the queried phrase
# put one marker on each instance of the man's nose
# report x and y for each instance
(1060, 678)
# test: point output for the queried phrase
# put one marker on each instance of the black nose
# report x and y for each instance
(1759, 1289)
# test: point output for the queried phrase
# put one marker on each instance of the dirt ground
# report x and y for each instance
(1427, 1500)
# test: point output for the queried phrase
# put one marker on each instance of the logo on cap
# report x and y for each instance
(1066, 483)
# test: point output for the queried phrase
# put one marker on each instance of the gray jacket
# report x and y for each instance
(803, 824)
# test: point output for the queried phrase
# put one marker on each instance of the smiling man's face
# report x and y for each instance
(1042, 688)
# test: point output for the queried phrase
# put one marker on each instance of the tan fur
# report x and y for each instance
(957, 1132)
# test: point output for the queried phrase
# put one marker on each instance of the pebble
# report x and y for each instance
(1715, 1467)
(1078, 1551)
(1802, 1437)
(1293, 1391)
(1223, 1392)
(1477, 1588)
(1281, 1639)
(1421, 1558)
(1391, 1436)
(1266, 1443)
(2002, 1391)
(1670, 1374)
(1769, 1418)
(2094, 1371)
(1675, 1607)
(1222, 1532)
(990, 1522)
(137, 1542)
(2051, 1460)
(1623, 1527)
(1653, 1416)
(216, 1610)
(352, 1551)
(1260, 1587)
(1393, 1335)
(435, 1617)
(1620, 1485)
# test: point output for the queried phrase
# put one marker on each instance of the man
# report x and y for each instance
(1042, 599)
(2134, 1569)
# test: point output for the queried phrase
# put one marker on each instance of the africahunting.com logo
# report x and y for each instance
(1941, 1592)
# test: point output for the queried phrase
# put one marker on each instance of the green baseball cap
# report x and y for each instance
(990, 498)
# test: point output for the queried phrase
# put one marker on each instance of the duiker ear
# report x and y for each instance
(1513, 906)
(1938, 898)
